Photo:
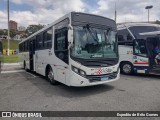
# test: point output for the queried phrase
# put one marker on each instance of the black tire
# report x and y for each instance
(126, 68)
(24, 67)
(50, 76)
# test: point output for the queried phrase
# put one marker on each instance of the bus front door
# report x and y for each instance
(153, 44)
(31, 54)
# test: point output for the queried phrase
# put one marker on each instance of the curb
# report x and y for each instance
(10, 64)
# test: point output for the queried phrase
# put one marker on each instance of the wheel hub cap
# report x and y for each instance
(127, 68)
(50, 75)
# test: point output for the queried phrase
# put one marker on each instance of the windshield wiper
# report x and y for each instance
(91, 33)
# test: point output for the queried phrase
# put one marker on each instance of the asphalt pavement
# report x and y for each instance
(27, 91)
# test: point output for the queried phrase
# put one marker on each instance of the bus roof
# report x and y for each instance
(46, 27)
(109, 21)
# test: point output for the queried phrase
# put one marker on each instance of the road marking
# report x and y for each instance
(31, 74)
(14, 71)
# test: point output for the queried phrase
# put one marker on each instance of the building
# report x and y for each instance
(21, 28)
(12, 25)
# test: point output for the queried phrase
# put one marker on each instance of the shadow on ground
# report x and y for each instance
(62, 90)
(139, 76)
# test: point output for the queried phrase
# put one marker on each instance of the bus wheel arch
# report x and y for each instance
(126, 67)
(50, 75)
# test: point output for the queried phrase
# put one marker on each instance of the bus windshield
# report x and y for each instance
(140, 47)
(93, 43)
(142, 29)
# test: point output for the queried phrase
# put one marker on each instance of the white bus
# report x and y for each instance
(139, 44)
(77, 50)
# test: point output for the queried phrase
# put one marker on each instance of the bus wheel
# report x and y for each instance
(25, 68)
(126, 68)
(24, 65)
(50, 76)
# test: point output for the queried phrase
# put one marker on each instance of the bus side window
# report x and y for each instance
(61, 44)
(48, 38)
(140, 47)
(124, 35)
(120, 38)
(39, 42)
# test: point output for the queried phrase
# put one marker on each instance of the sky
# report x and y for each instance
(26, 12)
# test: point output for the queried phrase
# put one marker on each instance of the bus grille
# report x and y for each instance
(96, 78)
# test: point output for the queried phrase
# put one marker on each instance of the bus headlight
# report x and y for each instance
(79, 71)
(75, 69)
(82, 73)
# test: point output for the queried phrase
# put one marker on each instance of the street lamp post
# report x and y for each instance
(148, 8)
(8, 30)
(115, 11)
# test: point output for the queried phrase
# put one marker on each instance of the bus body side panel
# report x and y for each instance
(47, 57)
(61, 70)
(141, 64)
(41, 60)
(126, 53)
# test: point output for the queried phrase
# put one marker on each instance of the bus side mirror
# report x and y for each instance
(70, 38)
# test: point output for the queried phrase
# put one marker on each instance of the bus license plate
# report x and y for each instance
(104, 78)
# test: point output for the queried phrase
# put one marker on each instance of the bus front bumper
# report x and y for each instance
(77, 80)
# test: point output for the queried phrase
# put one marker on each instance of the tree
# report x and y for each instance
(157, 22)
(33, 28)
(13, 33)
(3, 32)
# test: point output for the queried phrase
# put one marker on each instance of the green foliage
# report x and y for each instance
(13, 44)
(33, 28)
(10, 59)
(5, 32)
(13, 33)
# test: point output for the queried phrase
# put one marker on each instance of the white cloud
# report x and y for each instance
(24, 17)
(3, 21)
(129, 10)
(69, 5)
(103, 5)
(43, 12)
(34, 3)
(46, 11)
